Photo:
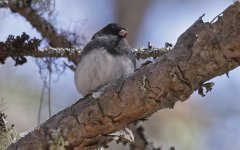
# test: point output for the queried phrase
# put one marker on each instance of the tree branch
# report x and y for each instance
(22, 46)
(204, 51)
(23, 7)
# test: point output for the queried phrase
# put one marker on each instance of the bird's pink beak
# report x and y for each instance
(122, 33)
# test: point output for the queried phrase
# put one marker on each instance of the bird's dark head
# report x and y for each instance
(111, 29)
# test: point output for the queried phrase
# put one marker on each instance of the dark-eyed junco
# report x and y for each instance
(106, 58)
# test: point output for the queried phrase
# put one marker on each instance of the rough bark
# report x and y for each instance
(204, 51)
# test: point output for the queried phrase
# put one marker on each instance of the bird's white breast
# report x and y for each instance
(98, 67)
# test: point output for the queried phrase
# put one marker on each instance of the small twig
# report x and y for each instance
(40, 105)
(71, 67)
(201, 16)
(49, 93)
(216, 17)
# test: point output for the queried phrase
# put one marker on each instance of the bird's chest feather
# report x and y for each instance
(98, 67)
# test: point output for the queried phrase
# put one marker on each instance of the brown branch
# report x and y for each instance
(22, 46)
(42, 25)
(204, 51)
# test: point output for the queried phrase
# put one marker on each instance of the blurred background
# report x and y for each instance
(209, 123)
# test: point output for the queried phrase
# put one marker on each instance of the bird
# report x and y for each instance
(106, 58)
